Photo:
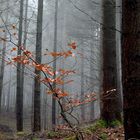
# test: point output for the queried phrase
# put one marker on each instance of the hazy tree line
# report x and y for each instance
(107, 37)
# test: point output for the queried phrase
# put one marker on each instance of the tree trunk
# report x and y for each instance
(37, 84)
(82, 87)
(9, 92)
(2, 68)
(19, 93)
(111, 108)
(54, 64)
(92, 66)
(24, 44)
(131, 67)
(118, 50)
(3, 57)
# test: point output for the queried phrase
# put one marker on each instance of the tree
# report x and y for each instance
(9, 91)
(54, 63)
(82, 86)
(2, 67)
(37, 90)
(111, 108)
(19, 92)
(3, 50)
(47, 78)
(24, 44)
(131, 67)
(92, 108)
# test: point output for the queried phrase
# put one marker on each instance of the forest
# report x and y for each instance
(69, 69)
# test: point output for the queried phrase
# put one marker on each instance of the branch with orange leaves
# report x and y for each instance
(27, 58)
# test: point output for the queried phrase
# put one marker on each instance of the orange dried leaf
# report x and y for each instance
(55, 54)
(38, 67)
(47, 80)
(63, 94)
(59, 81)
(46, 70)
(72, 45)
(13, 49)
(26, 61)
(28, 53)
(50, 92)
(70, 81)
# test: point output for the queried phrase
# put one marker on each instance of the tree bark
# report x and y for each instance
(131, 67)
(3, 57)
(2, 68)
(82, 87)
(19, 93)
(92, 104)
(110, 101)
(37, 84)
(9, 92)
(54, 64)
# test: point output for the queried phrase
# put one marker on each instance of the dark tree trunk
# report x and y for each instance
(19, 93)
(131, 67)
(110, 106)
(24, 44)
(37, 88)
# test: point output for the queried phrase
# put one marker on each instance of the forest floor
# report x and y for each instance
(96, 131)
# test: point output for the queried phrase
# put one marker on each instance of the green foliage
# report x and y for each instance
(70, 138)
(91, 128)
(88, 130)
(97, 125)
(103, 136)
(115, 123)
(21, 133)
(52, 134)
(101, 124)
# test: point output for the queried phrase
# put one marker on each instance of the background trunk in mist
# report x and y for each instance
(131, 67)
(19, 92)
(111, 108)
(92, 108)
(37, 84)
(54, 64)
(23, 66)
(2, 68)
(82, 86)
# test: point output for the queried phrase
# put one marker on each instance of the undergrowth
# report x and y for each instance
(100, 129)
